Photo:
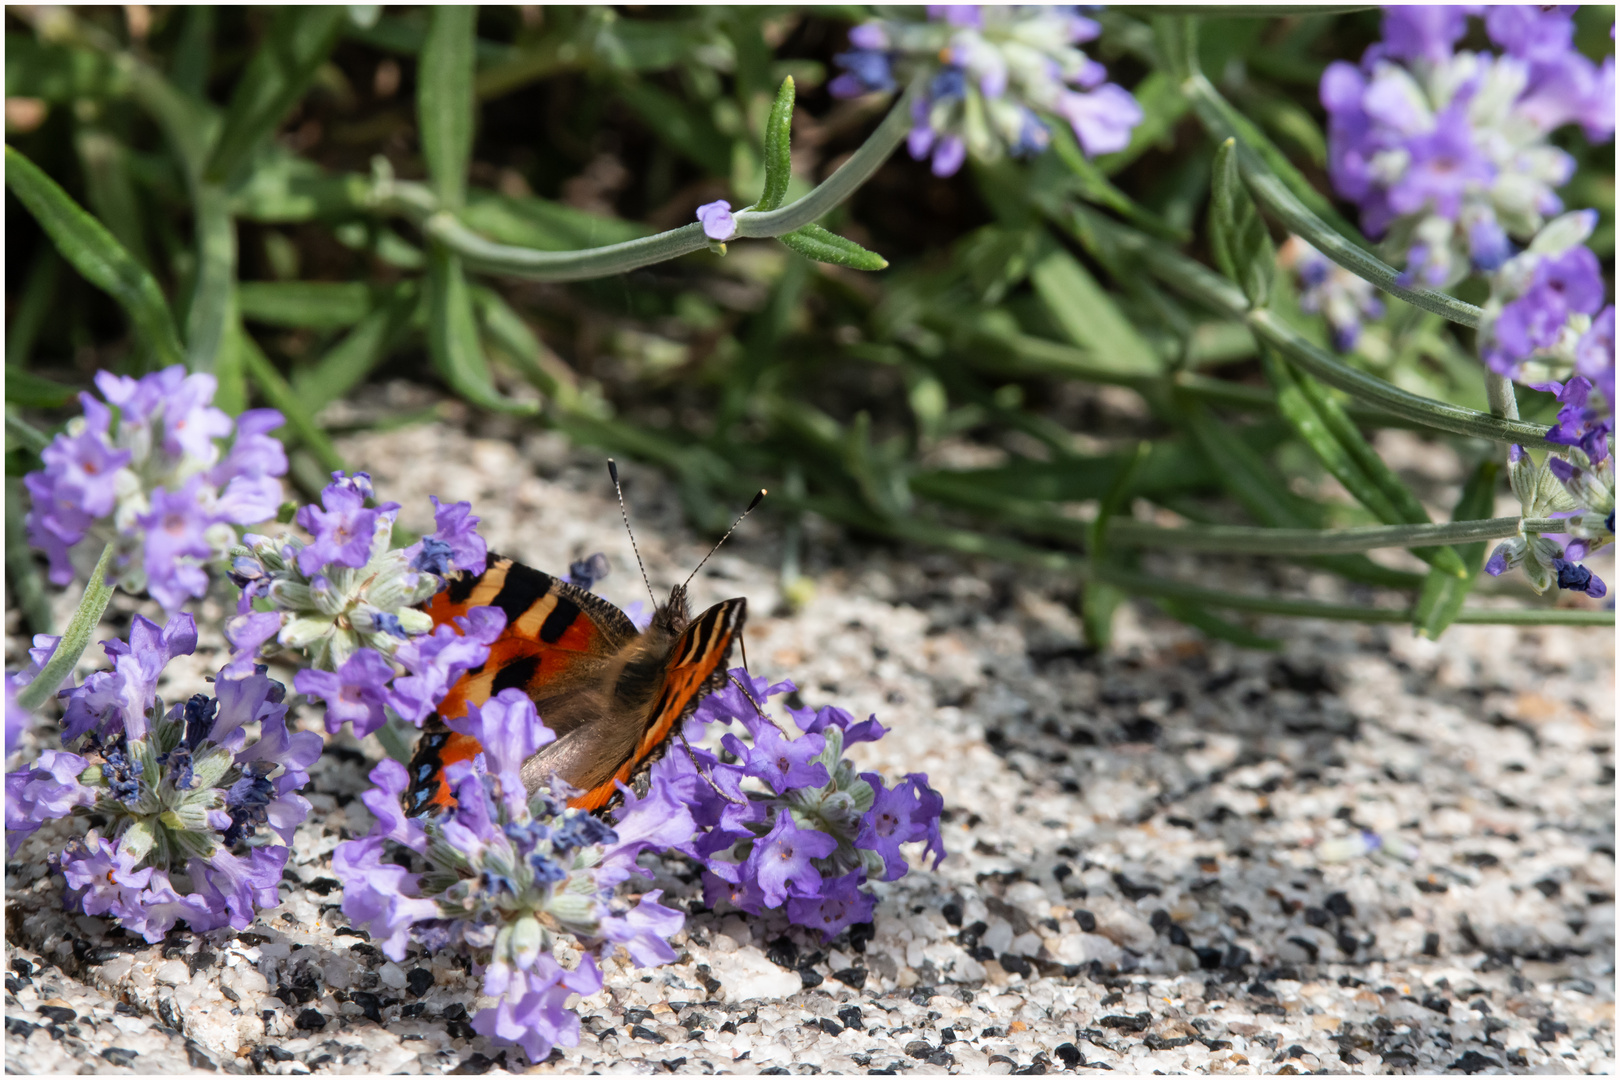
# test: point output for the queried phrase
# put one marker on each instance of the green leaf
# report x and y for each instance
(34, 306)
(1098, 599)
(814, 242)
(1238, 236)
(446, 110)
(1443, 592)
(453, 339)
(1089, 317)
(311, 305)
(30, 391)
(1091, 183)
(97, 254)
(778, 159)
(283, 188)
(213, 299)
(98, 592)
(110, 190)
(299, 41)
(507, 331)
(1201, 618)
(347, 364)
(543, 224)
(301, 427)
(678, 122)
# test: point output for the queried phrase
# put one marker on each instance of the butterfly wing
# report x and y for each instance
(557, 637)
(606, 750)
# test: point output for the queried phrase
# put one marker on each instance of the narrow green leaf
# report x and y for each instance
(508, 332)
(445, 107)
(111, 191)
(1098, 599)
(814, 242)
(96, 254)
(282, 67)
(1443, 594)
(1238, 236)
(194, 52)
(33, 307)
(310, 305)
(778, 158)
(98, 593)
(347, 364)
(688, 129)
(301, 427)
(540, 223)
(284, 188)
(1407, 508)
(27, 582)
(453, 339)
(29, 391)
(1089, 317)
(1201, 618)
(1091, 183)
(213, 298)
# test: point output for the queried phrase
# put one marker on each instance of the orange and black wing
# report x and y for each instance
(696, 668)
(555, 634)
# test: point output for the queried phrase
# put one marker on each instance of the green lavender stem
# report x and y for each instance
(1241, 539)
(97, 593)
(417, 202)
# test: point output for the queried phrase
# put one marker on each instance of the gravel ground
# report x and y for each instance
(1364, 853)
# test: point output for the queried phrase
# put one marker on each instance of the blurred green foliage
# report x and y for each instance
(1047, 349)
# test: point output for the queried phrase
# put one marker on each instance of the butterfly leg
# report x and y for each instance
(763, 715)
(701, 771)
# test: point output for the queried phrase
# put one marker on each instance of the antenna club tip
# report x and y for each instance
(613, 470)
(755, 503)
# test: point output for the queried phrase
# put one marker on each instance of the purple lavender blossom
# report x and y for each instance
(509, 872)
(840, 905)
(991, 74)
(342, 529)
(782, 861)
(585, 573)
(179, 791)
(782, 763)
(455, 543)
(1577, 578)
(155, 481)
(1446, 152)
(355, 693)
(435, 661)
(718, 223)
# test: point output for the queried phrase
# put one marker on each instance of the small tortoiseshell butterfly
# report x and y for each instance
(615, 696)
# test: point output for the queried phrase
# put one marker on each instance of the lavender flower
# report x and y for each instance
(196, 820)
(510, 877)
(817, 832)
(1577, 491)
(718, 223)
(1538, 328)
(155, 480)
(1339, 296)
(346, 589)
(991, 72)
(1446, 152)
(17, 717)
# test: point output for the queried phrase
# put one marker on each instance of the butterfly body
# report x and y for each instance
(614, 696)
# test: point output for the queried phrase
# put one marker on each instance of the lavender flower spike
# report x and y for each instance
(156, 480)
(182, 794)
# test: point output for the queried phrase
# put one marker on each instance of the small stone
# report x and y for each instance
(420, 981)
(117, 1055)
(56, 1014)
(1474, 1061)
(392, 975)
(747, 975)
(852, 977)
(646, 1034)
(310, 1020)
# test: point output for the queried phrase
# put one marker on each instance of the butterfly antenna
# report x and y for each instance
(613, 471)
(723, 539)
(701, 771)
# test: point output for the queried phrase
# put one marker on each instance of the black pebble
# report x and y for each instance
(57, 1014)
(1208, 958)
(1236, 956)
(1316, 916)
(276, 1053)
(117, 1055)
(1178, 936)
(1087, 921)
(852, 977)
(310, 1020)
(1070, 1055)
(783, 953)
(22, 967)
(419, 981)
(323, 885)
(1339, 904)
(647, 1034)
(1474, 1061)
(1436, 1003)
(368, 1004)
(952, 913)
(831, 1027)
(1015, 964)
(917, 1048)
(810, 976)
(477, 1065)
(20, 1028)
(851, 1016)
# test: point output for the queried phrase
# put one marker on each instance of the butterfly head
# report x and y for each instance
(674, 617)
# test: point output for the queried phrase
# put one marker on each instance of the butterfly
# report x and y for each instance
(614, 696)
